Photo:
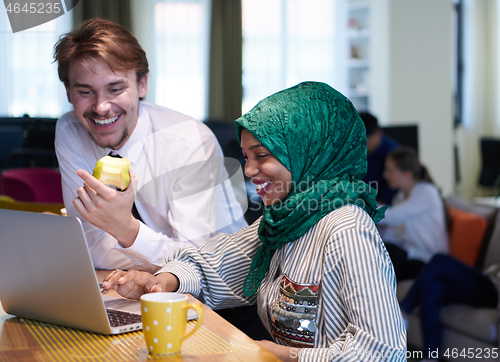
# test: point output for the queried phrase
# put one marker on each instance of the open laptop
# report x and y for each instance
(46, 274)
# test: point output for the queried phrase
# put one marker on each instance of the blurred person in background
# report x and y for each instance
(378, 146)
(415, 227)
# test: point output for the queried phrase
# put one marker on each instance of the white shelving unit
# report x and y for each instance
(397, 64)
(358, 43)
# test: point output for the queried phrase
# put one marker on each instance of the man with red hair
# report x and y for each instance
(181, 195)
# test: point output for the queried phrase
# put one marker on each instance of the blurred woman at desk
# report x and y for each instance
(415, 226)
(314, 262)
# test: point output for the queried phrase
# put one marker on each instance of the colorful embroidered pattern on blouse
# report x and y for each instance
(294, 313)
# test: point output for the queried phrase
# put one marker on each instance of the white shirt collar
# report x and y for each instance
(140, 132)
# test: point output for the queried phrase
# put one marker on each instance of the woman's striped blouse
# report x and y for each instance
(333, 289)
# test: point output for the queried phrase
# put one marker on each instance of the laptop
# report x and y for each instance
(46, 274)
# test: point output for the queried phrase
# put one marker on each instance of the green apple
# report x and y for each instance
(113, 171)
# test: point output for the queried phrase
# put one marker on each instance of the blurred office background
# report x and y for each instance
(426, 63)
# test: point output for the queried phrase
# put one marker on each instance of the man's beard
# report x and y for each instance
(120, 142)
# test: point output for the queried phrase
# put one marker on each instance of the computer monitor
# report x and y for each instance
(405, 135)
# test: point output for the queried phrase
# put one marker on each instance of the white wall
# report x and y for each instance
(412, 76)
(481, 114)
(143, 29)
(380, 61)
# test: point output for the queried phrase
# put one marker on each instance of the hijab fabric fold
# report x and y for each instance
(317, 134)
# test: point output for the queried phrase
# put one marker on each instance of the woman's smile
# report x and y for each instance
(261, 187)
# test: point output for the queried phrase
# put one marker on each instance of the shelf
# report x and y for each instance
(355, 94)
(358, 34)
(358, 63)
(358, 5)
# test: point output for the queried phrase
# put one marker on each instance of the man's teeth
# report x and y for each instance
(105, 121)
(261, 186)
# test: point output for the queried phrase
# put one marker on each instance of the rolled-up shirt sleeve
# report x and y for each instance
(215, 272)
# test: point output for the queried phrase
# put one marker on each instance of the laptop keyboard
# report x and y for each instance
(118, 318)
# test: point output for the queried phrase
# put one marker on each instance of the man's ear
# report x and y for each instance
(143, 86)
(68, 93)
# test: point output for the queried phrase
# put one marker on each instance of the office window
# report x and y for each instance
(30, 84)
(286, 42)
(182, 34)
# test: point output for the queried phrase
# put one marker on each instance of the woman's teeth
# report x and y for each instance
(102, 122)
(261, 186)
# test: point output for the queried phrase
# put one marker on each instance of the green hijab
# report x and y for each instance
(316, 133)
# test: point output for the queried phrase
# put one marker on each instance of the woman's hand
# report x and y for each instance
(284, 353)
(134, 283)
(108, 209)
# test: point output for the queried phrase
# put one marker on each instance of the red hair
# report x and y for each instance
(99, 38)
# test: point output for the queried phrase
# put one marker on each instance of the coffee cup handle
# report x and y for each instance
(198, 310)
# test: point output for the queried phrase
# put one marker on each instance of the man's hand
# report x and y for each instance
(108, 209)
(284, 353)
(134, 283)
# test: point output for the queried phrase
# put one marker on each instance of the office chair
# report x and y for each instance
(32, 184)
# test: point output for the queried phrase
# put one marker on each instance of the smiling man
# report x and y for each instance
(180, 194)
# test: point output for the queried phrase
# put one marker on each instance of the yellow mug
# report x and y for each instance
(164, 319)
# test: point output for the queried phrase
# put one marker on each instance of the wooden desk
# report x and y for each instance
(18, 342)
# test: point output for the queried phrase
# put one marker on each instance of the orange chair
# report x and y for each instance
(32, 184)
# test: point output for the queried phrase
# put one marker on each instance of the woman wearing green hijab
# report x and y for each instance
(314, 263)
